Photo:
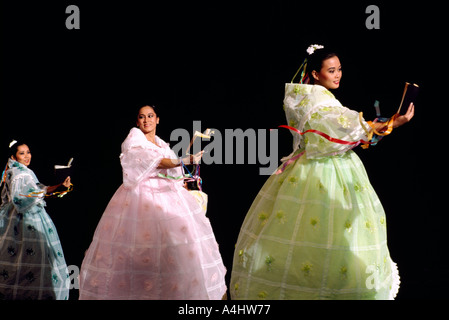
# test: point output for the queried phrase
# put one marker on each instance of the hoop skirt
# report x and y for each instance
(153, 240)
(317, 230)
(32, 264)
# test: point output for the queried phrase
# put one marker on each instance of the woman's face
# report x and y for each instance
(330, 73)
(147, 119)
(23, 155)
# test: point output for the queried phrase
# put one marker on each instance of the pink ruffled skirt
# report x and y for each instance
(153, 242)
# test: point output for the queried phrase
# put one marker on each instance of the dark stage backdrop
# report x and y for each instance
(75, 93)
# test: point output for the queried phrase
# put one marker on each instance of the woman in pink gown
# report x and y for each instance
(153, 240)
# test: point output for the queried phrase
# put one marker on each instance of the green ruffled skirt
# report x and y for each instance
(315, 231)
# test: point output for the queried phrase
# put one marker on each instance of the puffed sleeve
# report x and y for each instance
(138, 158)
(338, 122)
(26, 192)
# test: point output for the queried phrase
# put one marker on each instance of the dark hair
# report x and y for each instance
(13, 150)
(151, 106)
(315, 60)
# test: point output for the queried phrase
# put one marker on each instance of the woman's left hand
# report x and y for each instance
(403, 119)
(67, 182)
(195, 159)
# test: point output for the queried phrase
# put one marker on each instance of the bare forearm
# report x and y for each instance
(51, 189)
(379, 126)
(67, 182)
(170, 163)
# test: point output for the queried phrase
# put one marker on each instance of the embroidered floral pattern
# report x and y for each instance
(55, 278)
(262, 295)
(293, 123)
(369, 225)
(11, 251)
(236, 289)
(344, 122)
(344, 272)
(17, 201)
(306, 268)
(328, 109)
(30, 277)
(148, 285)
(280, 215)
(316, 116)
(281, 180)
(269, 262)
(348, 225)
(328, 93)
(302, 90)
(304, 102)
(263, 217)
(242, 258)
(321, 187)
(359, 188)
(4, 274)
(293, 180)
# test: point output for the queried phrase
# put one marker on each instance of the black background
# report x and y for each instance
(75, 93)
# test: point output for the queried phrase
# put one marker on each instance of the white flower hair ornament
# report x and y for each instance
(12, 143)
(312, 48)
(304, 77)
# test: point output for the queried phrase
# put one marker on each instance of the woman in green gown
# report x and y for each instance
(316, 229)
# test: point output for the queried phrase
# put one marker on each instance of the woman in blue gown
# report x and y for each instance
(32, 264)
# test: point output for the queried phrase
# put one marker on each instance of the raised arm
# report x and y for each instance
(398, 121)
